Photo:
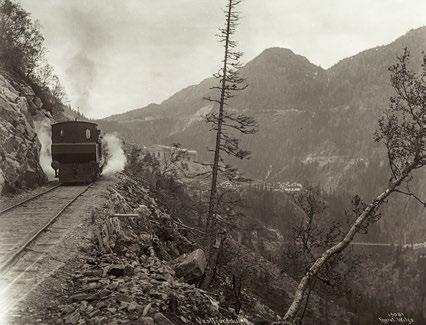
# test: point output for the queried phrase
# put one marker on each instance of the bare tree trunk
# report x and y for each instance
(211, 230)
(214, 253)
(213, 190)
(339, 247)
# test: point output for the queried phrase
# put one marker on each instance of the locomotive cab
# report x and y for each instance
(76, 151)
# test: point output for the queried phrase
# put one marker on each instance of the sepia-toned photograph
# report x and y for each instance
(189, 162)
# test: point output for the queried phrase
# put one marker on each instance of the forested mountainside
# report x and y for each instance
(307, 116)
(315, 125)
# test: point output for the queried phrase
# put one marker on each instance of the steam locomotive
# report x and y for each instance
(76, 151)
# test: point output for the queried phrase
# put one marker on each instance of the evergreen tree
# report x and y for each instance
(223, 121)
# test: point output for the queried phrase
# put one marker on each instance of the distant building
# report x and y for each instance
(284, 187)
(163, 153)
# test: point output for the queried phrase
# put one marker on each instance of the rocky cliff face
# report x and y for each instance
(22, 122)
(19, 146)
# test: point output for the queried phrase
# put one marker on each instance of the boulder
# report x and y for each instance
(146, 321)
(160, 319)
(191, 267)
(79, 297)
(37, 102)
(134, 306)
(73, 318)
(119, 270)
(143, 211)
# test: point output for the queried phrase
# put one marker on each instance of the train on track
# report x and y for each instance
(76, 151)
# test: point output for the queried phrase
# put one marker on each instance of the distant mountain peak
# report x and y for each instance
(276, 57)
(277, 51)
(280, 53)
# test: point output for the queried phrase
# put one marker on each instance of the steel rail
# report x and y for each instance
(23, 247)
(29, 199)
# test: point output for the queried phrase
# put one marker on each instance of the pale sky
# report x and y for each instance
(117, 55)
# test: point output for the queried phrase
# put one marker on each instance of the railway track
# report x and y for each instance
(28, 232)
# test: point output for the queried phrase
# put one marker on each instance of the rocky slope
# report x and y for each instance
(143, 269)
(24, 124)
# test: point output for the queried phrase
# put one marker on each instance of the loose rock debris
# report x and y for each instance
(140, 270)
(116, 290)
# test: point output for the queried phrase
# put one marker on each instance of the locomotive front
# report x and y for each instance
(76, 151)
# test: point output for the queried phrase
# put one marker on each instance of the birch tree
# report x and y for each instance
(401, 130)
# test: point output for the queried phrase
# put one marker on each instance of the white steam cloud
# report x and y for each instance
(115, 157)
(44, 133)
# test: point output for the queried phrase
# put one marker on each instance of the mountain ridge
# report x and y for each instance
(315, 126)
(305, 113)
(415, 32)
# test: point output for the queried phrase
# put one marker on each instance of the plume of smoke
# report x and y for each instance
(44, 133)
(115, 157)
(82, 74)
(88, 40)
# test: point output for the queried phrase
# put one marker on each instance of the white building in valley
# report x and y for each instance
(163, 153)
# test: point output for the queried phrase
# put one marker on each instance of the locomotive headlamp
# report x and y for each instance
(55, 164)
